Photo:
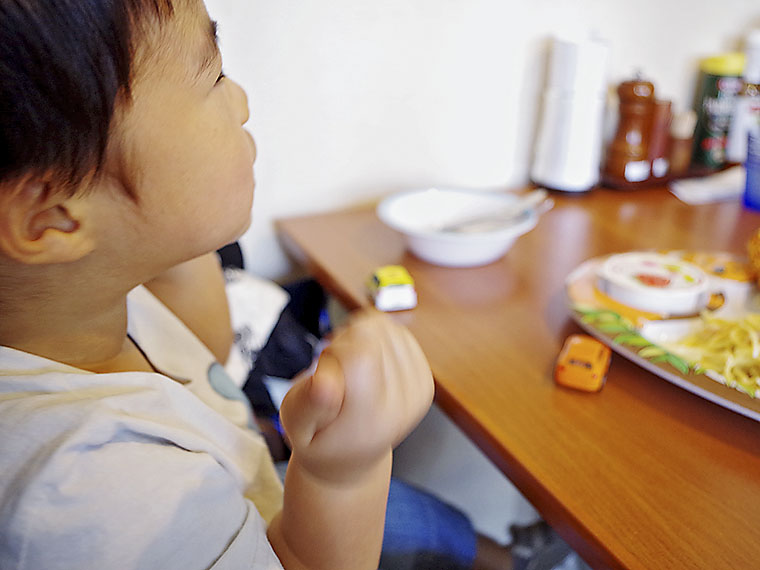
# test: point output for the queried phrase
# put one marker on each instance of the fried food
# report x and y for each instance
(753, 251)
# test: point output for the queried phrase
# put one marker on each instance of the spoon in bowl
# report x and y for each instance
(533, 201)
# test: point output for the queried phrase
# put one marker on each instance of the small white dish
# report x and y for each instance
(654, 282)
(419, 215)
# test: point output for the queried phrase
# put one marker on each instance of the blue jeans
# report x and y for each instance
(421, 531)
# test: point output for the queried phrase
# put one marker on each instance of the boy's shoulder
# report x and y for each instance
(85, 456)
(87, 485)
(51, 408)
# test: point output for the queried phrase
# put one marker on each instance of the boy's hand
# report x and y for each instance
(371, 387)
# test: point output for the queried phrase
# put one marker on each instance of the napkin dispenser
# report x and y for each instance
(569, 145)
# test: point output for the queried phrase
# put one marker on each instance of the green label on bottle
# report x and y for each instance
(716, 96)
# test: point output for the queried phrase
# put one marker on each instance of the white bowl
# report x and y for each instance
(418, 215)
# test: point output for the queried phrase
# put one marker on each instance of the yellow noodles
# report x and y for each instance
(731, 348)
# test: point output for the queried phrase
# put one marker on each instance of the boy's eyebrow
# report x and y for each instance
(210, 52)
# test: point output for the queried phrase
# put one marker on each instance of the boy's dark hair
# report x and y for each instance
(62, 65)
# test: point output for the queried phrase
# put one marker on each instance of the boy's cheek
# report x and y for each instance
(252, 142)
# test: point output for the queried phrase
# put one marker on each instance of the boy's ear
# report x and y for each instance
(39, 225)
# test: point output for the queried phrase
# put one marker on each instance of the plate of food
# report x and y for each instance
(692, 318)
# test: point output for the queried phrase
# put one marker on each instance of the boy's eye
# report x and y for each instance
(221, 76)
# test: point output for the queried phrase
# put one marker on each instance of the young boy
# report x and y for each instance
(123, 163)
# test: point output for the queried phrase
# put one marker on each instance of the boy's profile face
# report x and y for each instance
(180, 144)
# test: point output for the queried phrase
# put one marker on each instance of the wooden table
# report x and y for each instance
(641, 475)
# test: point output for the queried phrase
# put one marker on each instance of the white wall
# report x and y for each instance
(352, 99)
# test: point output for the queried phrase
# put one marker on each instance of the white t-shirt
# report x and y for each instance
(132, 470)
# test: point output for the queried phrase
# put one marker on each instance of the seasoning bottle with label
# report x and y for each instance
(627, 163)
(719, 85)
(659, 138)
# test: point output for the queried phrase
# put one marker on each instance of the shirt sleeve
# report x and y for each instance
(137, 503)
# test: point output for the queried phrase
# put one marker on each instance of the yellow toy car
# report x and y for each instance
(392, 288)
(582, 363)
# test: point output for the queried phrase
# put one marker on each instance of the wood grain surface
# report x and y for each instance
(641, 475)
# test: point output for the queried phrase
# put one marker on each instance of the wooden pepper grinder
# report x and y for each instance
(627, 164)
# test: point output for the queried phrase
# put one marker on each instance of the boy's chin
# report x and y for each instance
(243, 228)
(234, 236)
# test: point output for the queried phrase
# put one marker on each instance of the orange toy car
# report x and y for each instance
(582, 364)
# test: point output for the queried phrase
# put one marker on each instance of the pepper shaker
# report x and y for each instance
(627, 161)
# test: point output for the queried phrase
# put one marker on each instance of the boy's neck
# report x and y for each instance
(82, 327)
